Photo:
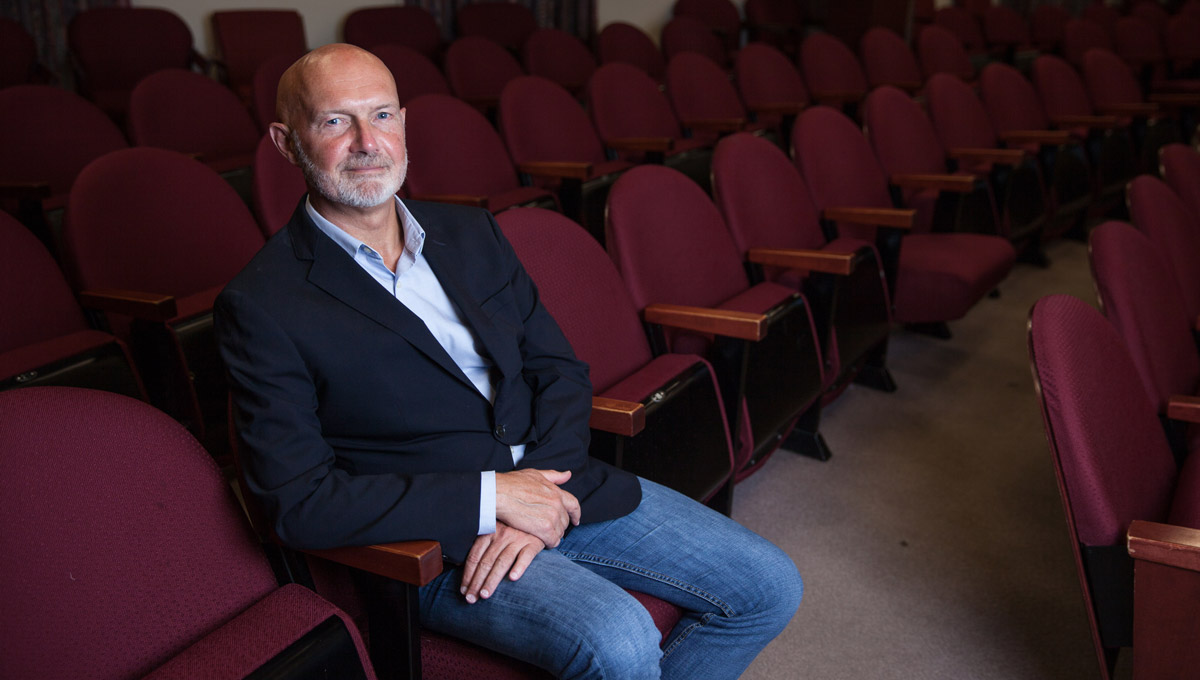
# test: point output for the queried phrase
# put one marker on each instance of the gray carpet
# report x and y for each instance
(933, 543)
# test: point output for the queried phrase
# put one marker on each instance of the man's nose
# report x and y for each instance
(364, 137)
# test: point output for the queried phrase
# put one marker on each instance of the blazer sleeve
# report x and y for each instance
(291, 469)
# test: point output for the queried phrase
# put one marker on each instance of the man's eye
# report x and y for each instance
(333, 121)
(384, 115)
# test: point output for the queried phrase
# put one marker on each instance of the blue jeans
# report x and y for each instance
(570, 615)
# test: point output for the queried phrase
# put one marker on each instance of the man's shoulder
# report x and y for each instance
(448, 220)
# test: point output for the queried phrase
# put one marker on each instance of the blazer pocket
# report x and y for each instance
(500, 300)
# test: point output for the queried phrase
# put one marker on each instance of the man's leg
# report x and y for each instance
(738, 589)
(559, 616)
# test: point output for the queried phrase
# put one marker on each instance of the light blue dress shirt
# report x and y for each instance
(417, 288)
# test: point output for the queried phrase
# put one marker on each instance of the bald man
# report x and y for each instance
(395, 377)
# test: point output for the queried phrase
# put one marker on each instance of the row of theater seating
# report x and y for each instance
(692, 204)
(1120, 393)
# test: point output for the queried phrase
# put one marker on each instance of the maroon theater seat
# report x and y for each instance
(1006, 30)
(779, 23)
(940, 51)
(689, 34)
(247, 38)
(193, 114)
(277, 187)
(1107, 139)
(1081, 35)
(704, 100)
(1115, 475)
(1181, 45)
(413, 72)
(478, 69)
(622, 42)
(155, 235)
(888, 60)
(962, 122)
(18, 56)
(672, 248)
(45, 339)
(1020, 121)
(409, 25)
(1047, 24)
(1158, 212)
(965, 25)
(1140, 297)
(777, 229)
(771, 87)
(1114, 89)
(918, 167)
(721, 17)
(38, 165)
(458, 157)
(832, 72)
(506, 23)
(127, 556)
(1179, 165)
(685, 441)
(933, 277)
(266, 88)
(551, 139)
(115, 47)
(634, 118)
(560, 57)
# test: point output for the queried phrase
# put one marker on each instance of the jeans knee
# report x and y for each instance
(781, 587)
(622, 642)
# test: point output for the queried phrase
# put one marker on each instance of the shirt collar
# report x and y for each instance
(414, 235)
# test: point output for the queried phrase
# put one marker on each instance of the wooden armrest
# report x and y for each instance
(25, 190)
(1175, 98)
(140, 305)
(836, 95)
(641, 143)
(457, 199)
(617, 416)
(1168, 544)
(563, 169)
(1129, 109)
(1042, 137)
(415, 562)
(963, 184)
(743, 325)
(901, 218)
(716, 124)
(1183, 407)
(1001, 156)
(813, 260)
(1098, 122)
(782, 108)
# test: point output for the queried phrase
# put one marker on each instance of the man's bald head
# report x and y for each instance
(304, 80)
(340, 121)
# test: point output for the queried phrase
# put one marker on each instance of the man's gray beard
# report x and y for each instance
(362, 193)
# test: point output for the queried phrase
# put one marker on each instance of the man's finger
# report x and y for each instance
(471, 565)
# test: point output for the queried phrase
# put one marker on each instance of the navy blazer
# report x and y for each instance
(358, 428)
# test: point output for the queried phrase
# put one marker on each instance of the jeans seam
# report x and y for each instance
(685, 633)
(662, 578)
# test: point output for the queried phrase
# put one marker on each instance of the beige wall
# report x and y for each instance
(323, 19)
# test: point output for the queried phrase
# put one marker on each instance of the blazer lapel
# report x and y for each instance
(494, 340)
(336, 273)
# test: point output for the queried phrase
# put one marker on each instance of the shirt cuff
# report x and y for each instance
(487, 502)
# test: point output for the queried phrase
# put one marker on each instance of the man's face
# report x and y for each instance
(350, 143)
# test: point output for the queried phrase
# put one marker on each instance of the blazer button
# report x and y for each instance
(500, 431)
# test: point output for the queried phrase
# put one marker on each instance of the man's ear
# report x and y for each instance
(281, 138)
